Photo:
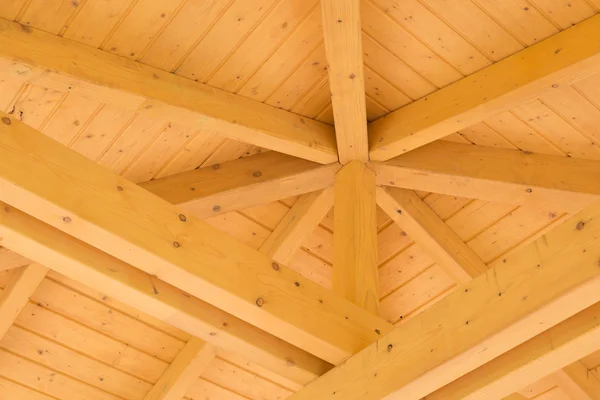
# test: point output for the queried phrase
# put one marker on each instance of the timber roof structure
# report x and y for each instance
(299, 199)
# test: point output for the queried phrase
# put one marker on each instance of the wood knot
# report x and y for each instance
(528, 190)
(275, 266)
(182, 218)
(120, 188)
(217, 208)
(260, 302)
(580, 225)
(176, 245)
(257, 174)
(390, 347)
(66, 220)
(6, 120)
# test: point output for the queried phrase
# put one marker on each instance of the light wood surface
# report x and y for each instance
(535, 284)
(243, 183)
(430, 233)
(343, 44)
(16, 295)
(562, 59)
(355, 274)
(183, 371)
(499, 175)
(155, 93)
(180, 250)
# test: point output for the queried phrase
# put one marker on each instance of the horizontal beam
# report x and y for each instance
(432, 234)
(92, 267)
(501, 175)
(559, 60)
(519, 297)
(243, 183)
(65, 65)
(184, 371)
(17, 293)
(533, 360)
(66, 190)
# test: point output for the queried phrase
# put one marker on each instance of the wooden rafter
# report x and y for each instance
(355, 273)
(561, 59)
(59, 63)
(302, 219)
(577, 382)
(519, 297)
(16, 295)
(103, 209)
(92, 267)
(343, 44)
(242, 183)
(184, 371)
(524, 365)
(500, 175)
(10, 259)
(431, 233)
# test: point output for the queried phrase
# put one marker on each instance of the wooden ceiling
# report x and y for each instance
(74, 342)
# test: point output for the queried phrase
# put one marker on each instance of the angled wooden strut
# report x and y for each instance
(92, 267)
(302, 219)
(500, 175)
(559, 60)
(68, 66)
(343, 44)
(10, 259)
(183, 372)
(92, 204)
(577, 382)
(431, 233)
(242, 183)
(16, 295)
(518, 298)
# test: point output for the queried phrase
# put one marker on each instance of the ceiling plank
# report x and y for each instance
(64, 189)
(183, 372)
(577, 382)
(432, 234)
(69, 66)
(343, 45)
(355, 263)
(16, 294)
(301, 220)
(529, 362)
(519, 297)
(547, 182)
(559, 60)
(243, 183)
(10, 259)
(91, 267)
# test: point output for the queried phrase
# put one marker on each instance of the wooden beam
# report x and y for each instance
(302, 219)
(519, 297)
(577, 382)
(515, 396)
(559, 60)
(66, 190)
(10, 259)
(343, 45)
(242, 183)
(355, 273)
(508, 176)
(16, 294)
(145, 292)
(183, 372)
(533, 360)
(69, 66)
(423, 226)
